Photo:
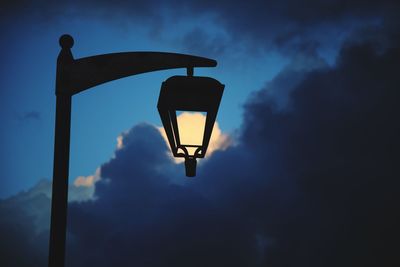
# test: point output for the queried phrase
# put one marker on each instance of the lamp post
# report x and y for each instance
(76, 75)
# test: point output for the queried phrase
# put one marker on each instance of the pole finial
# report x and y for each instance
(66, 41)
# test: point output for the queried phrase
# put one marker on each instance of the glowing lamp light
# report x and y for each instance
(180, 94)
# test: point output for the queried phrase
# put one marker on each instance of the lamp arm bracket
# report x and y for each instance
(74, 76)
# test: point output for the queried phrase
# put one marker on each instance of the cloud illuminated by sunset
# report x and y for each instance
(87, 181)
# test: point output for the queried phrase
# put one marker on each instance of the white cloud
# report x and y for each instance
(87, 181)
(120, 143)
(83, 188)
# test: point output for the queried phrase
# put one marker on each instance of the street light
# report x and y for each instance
(189, 93)
(76, 75)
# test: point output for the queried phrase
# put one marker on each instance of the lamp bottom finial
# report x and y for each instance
(190, 166)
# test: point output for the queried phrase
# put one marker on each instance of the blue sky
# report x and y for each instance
(309, 176)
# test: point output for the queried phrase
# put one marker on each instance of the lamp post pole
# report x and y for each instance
(59, 199)
(74, 76)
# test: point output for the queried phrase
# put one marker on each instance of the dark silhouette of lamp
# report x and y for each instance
(189, 93)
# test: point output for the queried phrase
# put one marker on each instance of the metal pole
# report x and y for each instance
(59, 204)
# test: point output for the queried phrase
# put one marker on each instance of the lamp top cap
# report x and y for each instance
(66, 41)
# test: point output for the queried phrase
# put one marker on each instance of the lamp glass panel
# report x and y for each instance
(191, 129)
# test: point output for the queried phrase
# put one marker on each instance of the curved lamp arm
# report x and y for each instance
(74, 76)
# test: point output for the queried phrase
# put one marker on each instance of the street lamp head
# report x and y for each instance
(192, 94)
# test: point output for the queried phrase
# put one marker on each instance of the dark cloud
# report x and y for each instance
(278, 90)
(25, 224)
(49, 10)
(313, 183)
(336, 144)
(198, 41)
(24, 221)
(272, 24)
(141, 218)
(30, 116)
